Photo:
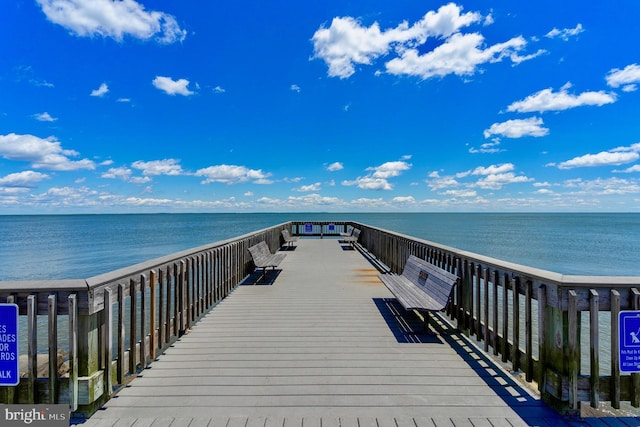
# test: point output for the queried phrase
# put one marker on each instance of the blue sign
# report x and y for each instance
(9, 356)
(629, 327)
(332, 228)
(308, 228)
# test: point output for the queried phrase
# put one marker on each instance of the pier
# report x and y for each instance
(197, 338)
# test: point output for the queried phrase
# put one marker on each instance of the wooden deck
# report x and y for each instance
(321, 344)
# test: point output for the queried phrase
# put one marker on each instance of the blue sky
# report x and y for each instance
(245, 106)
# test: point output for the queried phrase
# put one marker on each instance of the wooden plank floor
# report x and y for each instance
(321, 344)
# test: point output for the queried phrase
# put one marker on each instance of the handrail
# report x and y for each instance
(532, 318)
(118, 321)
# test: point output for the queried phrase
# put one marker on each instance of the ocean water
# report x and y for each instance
(42, 247)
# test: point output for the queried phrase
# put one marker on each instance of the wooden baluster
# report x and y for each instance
(594, 307)
(528, 331)
(505, 319)
(486, 309)
(152, 315)
(177, 297)
(73, 352)
(32, 348)
(615, 345)
(515, 350)
(169, 293)
(53, 347)
(108, 342)
(133, 319)
(574, 363)
(161, 303)
(542, 336)
(478, 303)
(121, 370)
(143, 321)
(496, 309)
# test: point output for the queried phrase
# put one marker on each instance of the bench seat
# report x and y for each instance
(288, 239)
(353, 238)
(422, 285)
(263, 258)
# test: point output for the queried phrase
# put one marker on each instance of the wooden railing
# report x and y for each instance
(532, 318)
(102, 331)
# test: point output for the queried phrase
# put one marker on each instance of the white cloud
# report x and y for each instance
(172, 87)
(123, 100)
(404, 199)
(516, 58)
(614, 157)
(45, 117)
(632, 169)
(335, 166)
(518, 128)
(232, 174)
(389, 169)
(41, 153)
(314, 200)
(565, 33)
(460, 193)
(498, 180)
(461, 54)
(100, 91)
(488, 148)
(295, 88)
(308, 188)
(438, 182)
(493, 169)
(378, 178)
(26, 179)
(218, 89)
(159, 167)
(547, 100)
(626, 77)
(346, 42)
(112, 18)
(603, 187)
(369, 183)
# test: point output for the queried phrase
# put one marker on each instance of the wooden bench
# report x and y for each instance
(288, 239)
(353, 238)
(263, 258)
(422, 286)
(348, 233)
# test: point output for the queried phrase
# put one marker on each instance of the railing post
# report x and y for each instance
(90, 374)
(561, 355)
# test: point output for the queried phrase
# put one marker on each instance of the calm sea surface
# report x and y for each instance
(81, 246)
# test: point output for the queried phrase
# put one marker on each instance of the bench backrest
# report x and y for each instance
(286, 235)
(438, 283)
(356, 234)
(260, 252)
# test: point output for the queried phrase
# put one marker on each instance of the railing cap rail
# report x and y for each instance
(542, 275)
(140, 268)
